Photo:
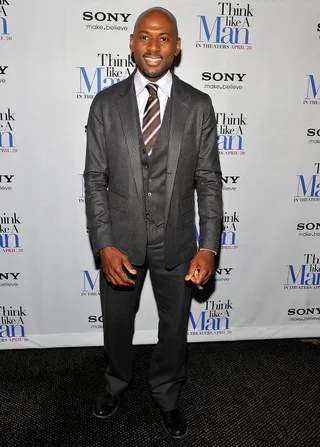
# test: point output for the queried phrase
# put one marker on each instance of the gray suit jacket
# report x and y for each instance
(114, 195)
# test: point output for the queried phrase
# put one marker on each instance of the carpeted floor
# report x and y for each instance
(238, 394)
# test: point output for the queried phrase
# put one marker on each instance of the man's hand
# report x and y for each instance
(201, 267)
(112, 262)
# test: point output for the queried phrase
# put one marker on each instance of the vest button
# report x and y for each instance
(149, 194)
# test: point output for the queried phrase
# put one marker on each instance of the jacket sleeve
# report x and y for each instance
(208, 182)
(96, 181)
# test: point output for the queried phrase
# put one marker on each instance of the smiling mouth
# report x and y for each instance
(152, 59)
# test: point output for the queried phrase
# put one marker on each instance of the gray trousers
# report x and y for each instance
(119, 306)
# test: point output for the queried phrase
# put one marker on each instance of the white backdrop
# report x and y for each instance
(259, 62)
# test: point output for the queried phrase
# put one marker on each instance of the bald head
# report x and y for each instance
(160, 10)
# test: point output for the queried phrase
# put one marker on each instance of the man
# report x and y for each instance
(151, 138)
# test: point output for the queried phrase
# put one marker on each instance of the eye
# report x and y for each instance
(164, 39)
(143, 37)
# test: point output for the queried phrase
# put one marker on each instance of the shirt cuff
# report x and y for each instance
(201, 249)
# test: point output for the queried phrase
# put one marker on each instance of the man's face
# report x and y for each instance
(154, 44)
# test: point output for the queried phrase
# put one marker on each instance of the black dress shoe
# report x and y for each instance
(175, 423)
(106, 406)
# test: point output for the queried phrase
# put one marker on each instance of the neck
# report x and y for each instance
(152, 79)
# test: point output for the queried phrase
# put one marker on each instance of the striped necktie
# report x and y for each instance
(151, 118)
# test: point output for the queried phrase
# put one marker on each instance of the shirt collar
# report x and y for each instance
(165, 83)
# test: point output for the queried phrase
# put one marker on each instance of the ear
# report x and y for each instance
(131, 43)
(178, 47)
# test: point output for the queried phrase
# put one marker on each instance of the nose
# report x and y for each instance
(154, 45)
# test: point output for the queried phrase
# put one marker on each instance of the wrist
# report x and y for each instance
(104, 249)
(208, 249)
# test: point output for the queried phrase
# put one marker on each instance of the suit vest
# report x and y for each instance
(154, 169)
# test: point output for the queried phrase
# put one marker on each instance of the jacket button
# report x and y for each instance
(149, 194)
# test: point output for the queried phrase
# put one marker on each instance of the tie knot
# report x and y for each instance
(153, 90)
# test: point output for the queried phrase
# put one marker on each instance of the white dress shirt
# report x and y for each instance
(164, 91)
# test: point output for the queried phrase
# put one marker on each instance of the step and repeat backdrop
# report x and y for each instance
(259, 62)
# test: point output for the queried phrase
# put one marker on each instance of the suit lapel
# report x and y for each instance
(129, 116)
(178, 118)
